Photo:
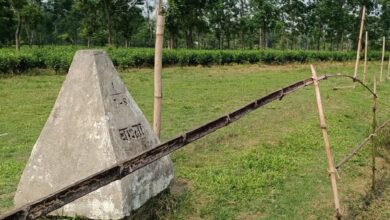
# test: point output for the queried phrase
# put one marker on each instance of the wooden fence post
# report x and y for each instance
(365, 58)
(383, 58)
(331, 168)
(374, 125)
(158, 69)
(359, 41)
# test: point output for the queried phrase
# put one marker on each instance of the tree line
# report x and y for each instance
(198, 24)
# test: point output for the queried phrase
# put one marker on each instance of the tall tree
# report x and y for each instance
(127, 20)
(17, 7)
(6, 22)
(32, 16)
(109, 25)
(265, 14)
(90, 20)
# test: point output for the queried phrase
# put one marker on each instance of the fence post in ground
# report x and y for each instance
(331, 168)
(374, 125)
(383, 58)
(365, 58)
(359, 46)
(158, 70)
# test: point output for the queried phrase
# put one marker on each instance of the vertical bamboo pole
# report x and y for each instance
(331, 168)
(365, 58)
(383, 57)
(158, 69)
(359, 46)
(374, 124)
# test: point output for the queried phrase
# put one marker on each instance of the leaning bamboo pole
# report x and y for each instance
(383, 57)
(158, 69)
(365, 58)
(359, 46)
(331, 168)
(374, 127)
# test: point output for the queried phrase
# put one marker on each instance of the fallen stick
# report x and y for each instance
(343, 87)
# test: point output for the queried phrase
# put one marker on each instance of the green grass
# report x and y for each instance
(271, 164)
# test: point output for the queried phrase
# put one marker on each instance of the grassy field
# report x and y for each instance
(271, 164)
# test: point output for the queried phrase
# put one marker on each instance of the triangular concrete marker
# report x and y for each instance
(94, 124)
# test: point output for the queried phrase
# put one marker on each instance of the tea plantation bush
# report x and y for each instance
(59, 58)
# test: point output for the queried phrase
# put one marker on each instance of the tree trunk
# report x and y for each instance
(264, 41)
(242, 40)
(89, 42)
(219, 41)
(17, 32)
(106, 5)
(260, 39)
(198, 39)
(318, 43)
(31, 40)
(28, 33)
(189, 38)
(171, 41)
(228, 41)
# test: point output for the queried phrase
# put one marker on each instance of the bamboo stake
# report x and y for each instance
(158, 70)
(365, 58)
(374, 125)
(383, 57)
(359, 46)
(331, 168)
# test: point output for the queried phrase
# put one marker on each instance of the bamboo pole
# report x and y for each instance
(359, 46)
(365, 58)
(158, 69)
(374, 127)
(331, 168)
(383, 57)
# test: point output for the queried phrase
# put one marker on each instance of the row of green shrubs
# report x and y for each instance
(59, 58)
